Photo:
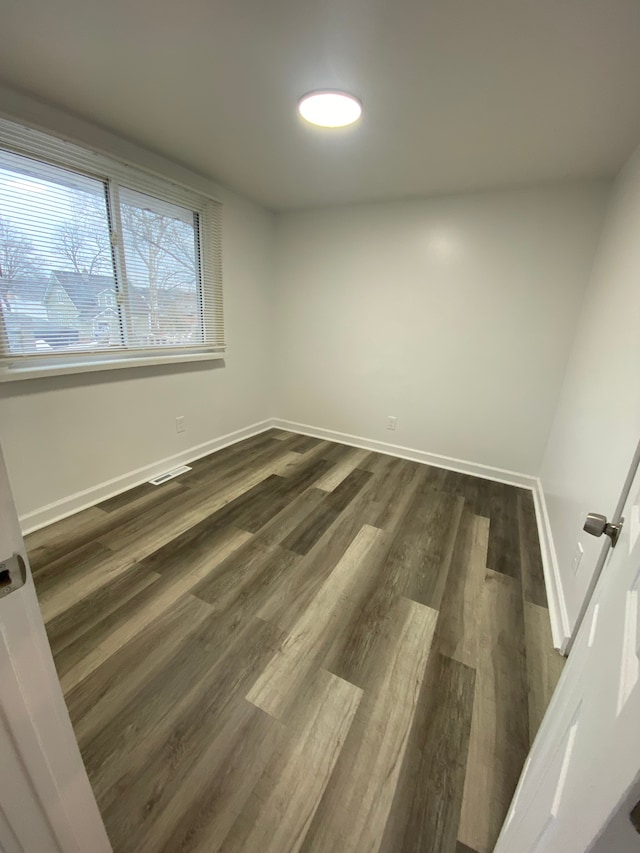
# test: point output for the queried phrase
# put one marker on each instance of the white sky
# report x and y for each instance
(37, 207)
(38, 198)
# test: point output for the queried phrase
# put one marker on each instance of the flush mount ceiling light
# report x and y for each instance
(330, 108)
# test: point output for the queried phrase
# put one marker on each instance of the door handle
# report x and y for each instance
(13, 574)
(597, 524)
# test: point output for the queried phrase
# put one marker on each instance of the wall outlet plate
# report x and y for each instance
(180, 424)
(391, 422)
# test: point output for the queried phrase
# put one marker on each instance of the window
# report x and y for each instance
(101, 265)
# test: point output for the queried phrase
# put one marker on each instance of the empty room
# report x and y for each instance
(319, 468)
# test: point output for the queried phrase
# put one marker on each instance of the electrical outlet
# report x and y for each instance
(575, 563)
(180, 424)
(391, 422)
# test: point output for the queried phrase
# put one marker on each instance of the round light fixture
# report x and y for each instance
(330, 108)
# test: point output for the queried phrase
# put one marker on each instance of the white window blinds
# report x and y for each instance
(99, 261)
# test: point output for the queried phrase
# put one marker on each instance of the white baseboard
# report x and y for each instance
(560, 626)
(65, 507)
(512, 478)
(557, 606)
(60, 509)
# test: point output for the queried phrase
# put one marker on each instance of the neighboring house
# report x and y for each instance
(64, 309)
(85, 305)
(76, 309)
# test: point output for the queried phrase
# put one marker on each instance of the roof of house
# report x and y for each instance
(83, 289)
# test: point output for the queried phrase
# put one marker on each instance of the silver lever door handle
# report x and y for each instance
(597, 524)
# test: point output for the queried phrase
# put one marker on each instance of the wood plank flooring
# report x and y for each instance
(301, 646)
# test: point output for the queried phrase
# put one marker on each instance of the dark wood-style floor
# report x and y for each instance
(299, 645)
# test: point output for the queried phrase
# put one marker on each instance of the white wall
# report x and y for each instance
(454, 314)
(597, 424)
(66, 434)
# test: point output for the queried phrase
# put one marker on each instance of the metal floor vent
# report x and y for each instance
(158, 481)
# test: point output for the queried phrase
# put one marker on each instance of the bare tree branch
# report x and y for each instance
(84, 239)
(18, 258)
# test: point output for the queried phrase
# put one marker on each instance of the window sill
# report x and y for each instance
(40, 371)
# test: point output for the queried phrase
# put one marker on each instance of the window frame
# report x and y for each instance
(116, 174)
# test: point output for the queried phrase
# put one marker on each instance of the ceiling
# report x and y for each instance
(458, 95)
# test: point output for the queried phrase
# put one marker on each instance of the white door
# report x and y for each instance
(584, 767)
(46, 801)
